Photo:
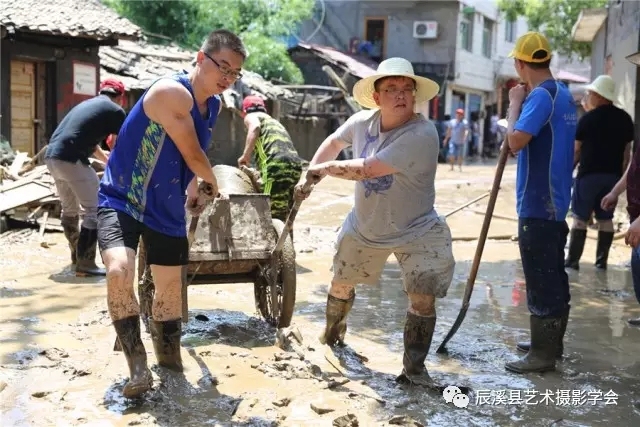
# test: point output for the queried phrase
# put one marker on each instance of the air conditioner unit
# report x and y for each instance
(425, 29)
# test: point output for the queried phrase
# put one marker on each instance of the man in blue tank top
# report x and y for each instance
(160, 153)
(542, 128)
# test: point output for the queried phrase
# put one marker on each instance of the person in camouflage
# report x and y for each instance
(277, 160)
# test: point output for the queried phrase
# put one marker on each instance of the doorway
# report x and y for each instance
(23, 106)
(375, 35)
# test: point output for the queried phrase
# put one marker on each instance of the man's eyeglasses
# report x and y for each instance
(225, 70)
(396, 92)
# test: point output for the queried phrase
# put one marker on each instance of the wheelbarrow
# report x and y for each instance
(233, 243)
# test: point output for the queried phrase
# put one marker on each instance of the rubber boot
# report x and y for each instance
(576, 246)
(140, 379)
(166, 343)
(86, 254)
(336, 328)
(525, 346)
(418, 333)
(71, 232)
(605, 239)
(545, 340)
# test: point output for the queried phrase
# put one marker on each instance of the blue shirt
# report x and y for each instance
(146, 176)
(545, 165)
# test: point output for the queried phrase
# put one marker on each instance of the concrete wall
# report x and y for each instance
(504, 47)
(229, 136)
(598, 46)
(346, 19)
(623, 25)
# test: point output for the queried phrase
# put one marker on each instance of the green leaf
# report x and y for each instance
(555, 19)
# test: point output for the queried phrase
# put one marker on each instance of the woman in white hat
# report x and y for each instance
(396, 156)
(603, 139)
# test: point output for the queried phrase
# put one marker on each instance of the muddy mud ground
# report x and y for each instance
(57, 367)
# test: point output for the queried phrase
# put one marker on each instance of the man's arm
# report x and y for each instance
(576, 153)
(358, 169)
(527, 119)
(99, 154)
(253, 133)
(169, 104)
(627, 155)
(192, 188)
(447, 136)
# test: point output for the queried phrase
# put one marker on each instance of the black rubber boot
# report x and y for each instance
(336, 328)
(525, 346)
(71, 232)
(545, 340)
(418, 333)
(166, 343)
(140, 379)
(605, 239)
(576, 246)
(86, 254)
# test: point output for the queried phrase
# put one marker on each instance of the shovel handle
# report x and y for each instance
(306, 187)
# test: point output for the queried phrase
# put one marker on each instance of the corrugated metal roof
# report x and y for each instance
(358, 66)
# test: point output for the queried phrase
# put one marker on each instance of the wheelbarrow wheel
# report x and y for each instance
(286, 285)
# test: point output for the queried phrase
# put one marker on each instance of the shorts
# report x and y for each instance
(117, 229)
(426, 263)
(587, 194)
(456, 150)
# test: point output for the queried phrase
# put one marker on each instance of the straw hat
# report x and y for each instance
(426, 89)
(604, 86)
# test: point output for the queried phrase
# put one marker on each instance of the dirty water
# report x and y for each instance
(57, 366)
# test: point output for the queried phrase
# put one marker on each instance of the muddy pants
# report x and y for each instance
(77, 186)
(542, 245)
(280, 179)
(426, 263)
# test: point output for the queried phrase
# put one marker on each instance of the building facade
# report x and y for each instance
(47, 68)
(468, 60)
(614, 33)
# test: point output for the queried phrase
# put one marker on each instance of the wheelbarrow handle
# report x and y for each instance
(288, 225)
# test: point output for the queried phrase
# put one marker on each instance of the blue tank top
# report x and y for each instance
(146, 176)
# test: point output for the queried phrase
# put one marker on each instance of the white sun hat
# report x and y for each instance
(426, 89)
(604, 86)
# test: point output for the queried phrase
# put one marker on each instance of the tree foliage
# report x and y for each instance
(260, 23)
(554, 18)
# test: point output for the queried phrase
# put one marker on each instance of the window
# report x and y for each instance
(374, 36)
(466, 31)
(510, 30)
(487, 37)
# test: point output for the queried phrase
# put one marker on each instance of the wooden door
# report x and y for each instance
(23, 106)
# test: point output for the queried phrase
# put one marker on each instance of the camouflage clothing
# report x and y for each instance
(279, 164)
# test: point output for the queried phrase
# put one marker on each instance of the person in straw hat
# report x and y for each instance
(396, 156)
(541, 129)
(602, 147)
(630, 182)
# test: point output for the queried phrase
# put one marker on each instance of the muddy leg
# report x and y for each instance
(418, 334)
(70, 225)
(146, 289)
(125, 314)
(166, 325)
(339, 303)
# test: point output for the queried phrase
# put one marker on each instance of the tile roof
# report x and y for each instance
(138, 64)
(356, 65)
(71, 18)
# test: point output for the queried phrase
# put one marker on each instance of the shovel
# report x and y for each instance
(502, 161)
(272, 276)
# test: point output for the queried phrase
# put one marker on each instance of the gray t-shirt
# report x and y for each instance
(393, 210)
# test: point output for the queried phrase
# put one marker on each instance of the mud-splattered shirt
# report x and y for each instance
(274, 144)
(392, 210)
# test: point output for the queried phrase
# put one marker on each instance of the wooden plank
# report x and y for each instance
(23, 106)
(19, 196)
(18, 161)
